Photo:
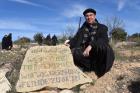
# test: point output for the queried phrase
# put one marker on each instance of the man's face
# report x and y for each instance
(90, 17)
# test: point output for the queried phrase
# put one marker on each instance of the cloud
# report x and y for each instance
(34, 26)
(74, 11)
(26, 2)
(16, 25)
(135, 4)
(121, 4)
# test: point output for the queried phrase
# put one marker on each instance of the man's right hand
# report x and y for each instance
(67, 43)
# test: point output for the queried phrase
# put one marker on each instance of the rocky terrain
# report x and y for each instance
(124, 76)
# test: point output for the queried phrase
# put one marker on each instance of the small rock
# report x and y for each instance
(134, 60)
(66, 91)
(108, 88)
(50, 92)
(84, 86)
(124, 86)
(45, 91)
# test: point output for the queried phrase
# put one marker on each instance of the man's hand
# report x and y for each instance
(87, 50)
(67, 43)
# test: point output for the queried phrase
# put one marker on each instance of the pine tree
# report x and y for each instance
(48, 40)
(54, 40)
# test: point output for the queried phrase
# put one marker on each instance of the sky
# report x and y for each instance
(28, 17)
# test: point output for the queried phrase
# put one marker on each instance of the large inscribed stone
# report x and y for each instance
(50, 66)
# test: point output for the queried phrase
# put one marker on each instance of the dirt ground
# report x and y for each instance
(124, 76)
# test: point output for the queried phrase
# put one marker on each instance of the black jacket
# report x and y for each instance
(101, 52)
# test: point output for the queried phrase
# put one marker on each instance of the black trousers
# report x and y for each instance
(100, 59)
(86, 63)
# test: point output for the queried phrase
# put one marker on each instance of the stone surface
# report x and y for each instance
(84, 86)
(5, 85)
(66, 91)
(45, 91)
(49, 66)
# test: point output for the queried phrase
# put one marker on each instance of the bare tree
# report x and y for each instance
(112, 23)
(69, 32)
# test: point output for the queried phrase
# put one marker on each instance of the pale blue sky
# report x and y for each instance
(27, 17)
